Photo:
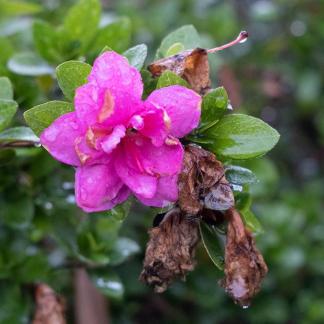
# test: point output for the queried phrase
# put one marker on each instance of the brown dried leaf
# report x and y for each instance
(49, 306)
(170, 250)
(191, 65)
(244, 265)
(202, 182)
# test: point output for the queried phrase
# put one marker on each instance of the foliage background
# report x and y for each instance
(277, 75)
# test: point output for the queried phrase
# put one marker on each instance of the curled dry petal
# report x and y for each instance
(170, 250)
(202, 183)
(244, 265)
(49, 306)
(191, 65)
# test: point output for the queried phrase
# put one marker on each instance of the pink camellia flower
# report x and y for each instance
(120, 144)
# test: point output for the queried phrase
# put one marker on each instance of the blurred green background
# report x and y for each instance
(277, 75)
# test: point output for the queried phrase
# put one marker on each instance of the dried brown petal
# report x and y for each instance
(202, 182)
(49, 306)
(244, 265)
(191, 65)
(170, 250)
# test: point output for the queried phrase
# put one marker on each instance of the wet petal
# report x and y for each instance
(98, 187)
(156, 125)
(138, 181)
(112, 71)
(181, 104)
(110, 142)
(60, 136)
(166, 193)
(158, 161)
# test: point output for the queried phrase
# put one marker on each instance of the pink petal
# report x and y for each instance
(87, 154)
(156, 161)
(95, 104)
(110, 142)
(166, 193)
(98, 187)
(136, 179)
(112, 71)
(60, 136)
(182, 106)
(156, 125)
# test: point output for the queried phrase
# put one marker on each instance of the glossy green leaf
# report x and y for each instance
(214, 105)
(46, 41)
(20, 133)
(169, 78)
(136, 55)
(239, 175)
(238, 136)
(251, 222)
(175, 49)
(14, 7)
(40, 117)
(29, 64)
(186, 35)
(81, 23)
(212, 244)
(71, 75)
(115, 35)
(122, 250)
(107, 282)
(6, 156)
(6, 91)
(8, 109)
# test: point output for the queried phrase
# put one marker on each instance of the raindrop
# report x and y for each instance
(38, 144)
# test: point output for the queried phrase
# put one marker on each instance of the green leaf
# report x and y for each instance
(6, 91)
(238, 136)
(136, 55)
(28, 64)
(8, 109)
(14, 7)
(20, 133)
(169, 78)
(239, 175)
(122, 250)
(46, 41)
(40, 117)
(121, 211)
(175, 49)
(81, 23)
(107, 282)
(6, 156)
(251, 222)
(115, 35)
(7, 50)
(211, 242)
(214, 106)
(71, 75)
(186, 35)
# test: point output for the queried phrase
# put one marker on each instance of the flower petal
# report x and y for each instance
(60, 136)
(181, 104)
(98, 187)
(95, 104)
(166, 193)
(110, 142)
(156, 125)
(112, 71)
(137, 180)
(161, 161)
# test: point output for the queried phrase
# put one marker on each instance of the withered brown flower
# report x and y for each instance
(244, 265)
(170, 250)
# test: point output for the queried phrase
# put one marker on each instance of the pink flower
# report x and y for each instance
(120, 144)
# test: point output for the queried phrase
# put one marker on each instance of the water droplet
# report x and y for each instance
(245, 306)
(38, 144)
